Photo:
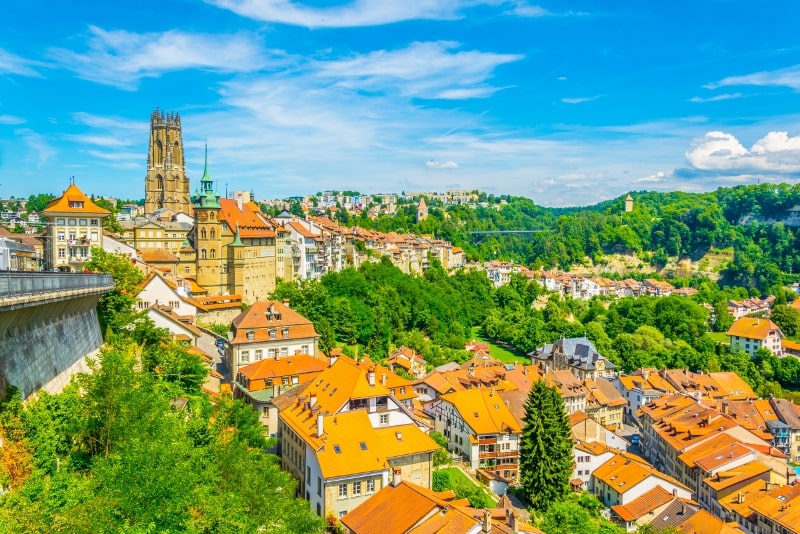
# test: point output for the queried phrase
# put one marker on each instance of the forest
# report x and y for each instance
(743, 219)
(137, 447)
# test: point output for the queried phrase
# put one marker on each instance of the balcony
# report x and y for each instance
(487, 441)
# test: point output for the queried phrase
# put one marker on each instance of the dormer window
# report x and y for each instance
(77, 204)
(285, 332)
(273, 334)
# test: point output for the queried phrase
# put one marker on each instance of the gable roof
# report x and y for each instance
(644, 504)
(73, 194)
(483, 410)
(298, 364)
(624, 471)
(265, 315)
(246, 219)
(407, 508)
(753, 328)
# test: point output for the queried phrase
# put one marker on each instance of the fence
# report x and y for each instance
(15, 283)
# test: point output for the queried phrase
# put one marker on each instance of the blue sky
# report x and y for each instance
(568, 103)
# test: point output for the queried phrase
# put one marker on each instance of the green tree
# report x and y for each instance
(787, 318)
(546, 450)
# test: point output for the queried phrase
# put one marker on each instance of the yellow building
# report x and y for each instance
(343, 436)
(233, 245)
(144, 234)
(74, 226)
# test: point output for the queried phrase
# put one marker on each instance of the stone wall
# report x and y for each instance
(43, 345)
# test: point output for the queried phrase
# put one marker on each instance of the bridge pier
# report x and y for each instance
(46, 335)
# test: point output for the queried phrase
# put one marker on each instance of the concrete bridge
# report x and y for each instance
(48, 325)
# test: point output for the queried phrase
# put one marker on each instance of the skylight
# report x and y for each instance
(337, 449)
(363, 446)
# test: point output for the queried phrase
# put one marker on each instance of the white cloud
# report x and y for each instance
(579, 100)
(14, 64)
(441, 165)
(524, 9)
(787, 77)
(11, 119)
(422, 70)
(39, 149)
(350, 14)
(715, 98)
(122, 58)
(719, 151)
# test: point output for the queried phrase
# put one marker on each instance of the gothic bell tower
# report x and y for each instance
(166, 184)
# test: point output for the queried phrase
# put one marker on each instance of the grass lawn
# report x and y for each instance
(719, 337)
(504, 354)
(458, 477)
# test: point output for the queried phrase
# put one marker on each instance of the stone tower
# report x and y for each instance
(422, 210)
(166, 184)
(207, 236)
(628, 203)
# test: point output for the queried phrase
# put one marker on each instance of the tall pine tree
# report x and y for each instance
(546, 450)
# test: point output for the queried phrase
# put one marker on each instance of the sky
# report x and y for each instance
(565, 102)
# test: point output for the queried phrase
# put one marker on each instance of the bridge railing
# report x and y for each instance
(14, 283)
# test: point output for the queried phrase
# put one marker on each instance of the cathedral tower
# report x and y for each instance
(166, 184)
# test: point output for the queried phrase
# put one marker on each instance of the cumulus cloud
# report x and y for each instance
(14, 64)
(719, 151)
(421, 70)
(787, 77)
(122, 58)
(441, 165)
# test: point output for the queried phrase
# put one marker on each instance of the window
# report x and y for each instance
(61, 253)
(273, 334)
(94, 237)
(213, 253)
(319, 485)
(304, 349)
(245, 356)
(259, 354)
(342, 491)
(371, 486)
(356, 488)
(284, 351)
(384, 418)
(285, 332)
(342, 514)
(60, 222)
(186, 270)
(82, 222)
(61, 236)
(93, 222)
(71, 222)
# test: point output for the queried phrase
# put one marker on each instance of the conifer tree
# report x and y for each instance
(546, 450)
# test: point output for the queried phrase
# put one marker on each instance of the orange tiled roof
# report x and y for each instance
(265, 315)
(644, 504)
(298, 364)
(624, 471)
(73, 194)
(157, 255)
(752, 328)
(728, 479)
(781, 505)
(704, 523)
(248, 221)
(407, 508)
(483, 410)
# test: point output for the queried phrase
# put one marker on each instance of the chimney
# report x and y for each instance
(487, 522)
(286, 302)
(320, 426)
(675, 492)
(383, 379)
(371, 377)
(312, 400)
(239, 202)
(725, 407)
(472, 369)
(397, 477)
(740, 498)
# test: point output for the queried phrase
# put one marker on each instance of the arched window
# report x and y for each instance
(213, 216)
(203, 254)
(160, 183)
(213, 234)
(213, 253)
(202, 233)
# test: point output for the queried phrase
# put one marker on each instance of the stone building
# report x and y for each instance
(166, 184)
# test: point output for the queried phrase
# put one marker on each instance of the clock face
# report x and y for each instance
(202, 216)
